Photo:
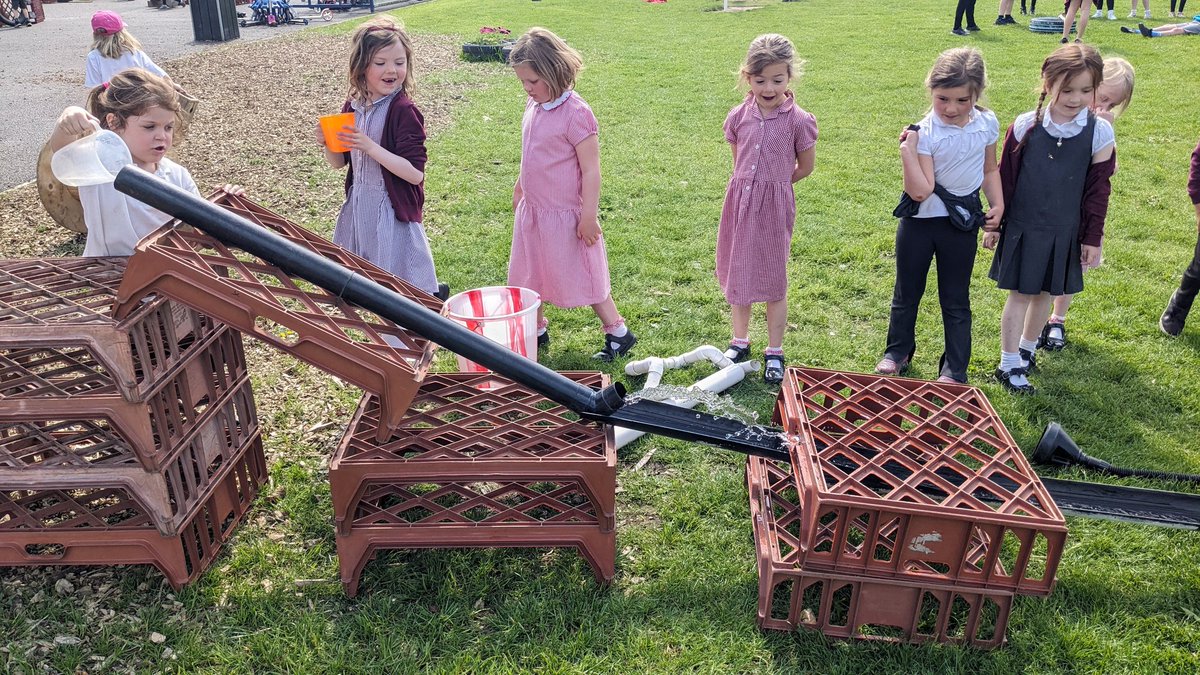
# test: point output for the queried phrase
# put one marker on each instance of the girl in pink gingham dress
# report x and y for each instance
(558, 249)
(774, 145)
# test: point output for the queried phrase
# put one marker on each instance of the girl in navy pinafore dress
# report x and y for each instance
(1055, 172)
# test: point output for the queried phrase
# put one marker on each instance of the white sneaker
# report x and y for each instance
(1133, 13)
(1097, 14)
(1112, 15)
(1147, 15)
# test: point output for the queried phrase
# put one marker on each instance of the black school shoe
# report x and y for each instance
(737, 354)
(1005, 378)
(1174, 316)
(1049, 340)
(959, 31)
(1029, 357)
(443, 291)
(543, 339)
(772, 368)
(615, 346)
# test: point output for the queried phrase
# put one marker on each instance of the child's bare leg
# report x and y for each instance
(1011, 372)
(606, 310)
(1035, 317)
(1012, 320)
(776, 322)
(740, 315)
(1062, 303)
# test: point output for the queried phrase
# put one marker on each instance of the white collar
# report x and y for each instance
(972, 118)
(558, 101)
(1079, 120)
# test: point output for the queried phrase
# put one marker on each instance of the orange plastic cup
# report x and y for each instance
(331, 124)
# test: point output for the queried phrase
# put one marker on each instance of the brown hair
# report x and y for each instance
(1063, 64)
(550, 58)
(378, 33)
(958, 67)
(132, 92)
(1118, 71)
(113, 45)
(767, 50)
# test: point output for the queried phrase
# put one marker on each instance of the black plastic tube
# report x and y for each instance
(359, 290)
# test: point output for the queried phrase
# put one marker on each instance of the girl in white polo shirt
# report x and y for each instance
(951, 152)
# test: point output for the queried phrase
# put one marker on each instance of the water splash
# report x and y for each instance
(715, 404)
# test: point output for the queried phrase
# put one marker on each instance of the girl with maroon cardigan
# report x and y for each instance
(385, 184)
(1055, 172)
(1175, 315)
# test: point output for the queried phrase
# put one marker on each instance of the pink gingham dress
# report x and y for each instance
(755, 235)
(547, 256)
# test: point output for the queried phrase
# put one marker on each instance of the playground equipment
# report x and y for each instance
(884, 508)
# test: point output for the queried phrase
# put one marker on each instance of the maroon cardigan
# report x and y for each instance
(404, 135)
(1097, 187)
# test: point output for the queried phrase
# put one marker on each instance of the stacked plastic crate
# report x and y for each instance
(132, 441)
(438, 461)
(478, 462)
(907, 513)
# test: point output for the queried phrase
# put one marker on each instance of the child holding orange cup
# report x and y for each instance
(380, 140)
(331, 125)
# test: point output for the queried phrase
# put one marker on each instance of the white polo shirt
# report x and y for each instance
(957, 154)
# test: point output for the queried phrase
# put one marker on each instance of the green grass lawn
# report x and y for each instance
(660, 78)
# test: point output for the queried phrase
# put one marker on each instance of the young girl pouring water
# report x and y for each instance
(952, 150)
(558, 247)
(381, 219)
(143, 109)
(774, 145)
(1055, 170)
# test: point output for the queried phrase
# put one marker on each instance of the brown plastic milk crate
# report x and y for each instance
(477, 425)
(108, 526)
(457, 512)
(84, 453)
(64, 307)
(855, 606)
(908, 479)
(44, 384)
(287, 312)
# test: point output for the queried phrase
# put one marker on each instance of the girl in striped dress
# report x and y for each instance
(774, 145)
(557, 248)
(385, 185)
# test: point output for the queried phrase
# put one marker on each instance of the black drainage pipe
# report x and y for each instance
(361, 291)
(1057, 448)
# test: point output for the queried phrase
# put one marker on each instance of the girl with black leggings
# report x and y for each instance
(967, 8)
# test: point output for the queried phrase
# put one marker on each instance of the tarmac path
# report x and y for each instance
(41, 67)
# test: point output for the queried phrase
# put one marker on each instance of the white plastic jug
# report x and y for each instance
(94, 159)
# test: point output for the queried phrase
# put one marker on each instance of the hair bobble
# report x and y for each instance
(105, 85)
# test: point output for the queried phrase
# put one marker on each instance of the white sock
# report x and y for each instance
(1028, 345)
(542, 330)
(1009, 360)
(620, 332)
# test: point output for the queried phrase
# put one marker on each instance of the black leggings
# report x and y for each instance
(918, 241)
(1181, 4)
(1190, 284)
(1098, 4)
(965, 7)
(1032, 6)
